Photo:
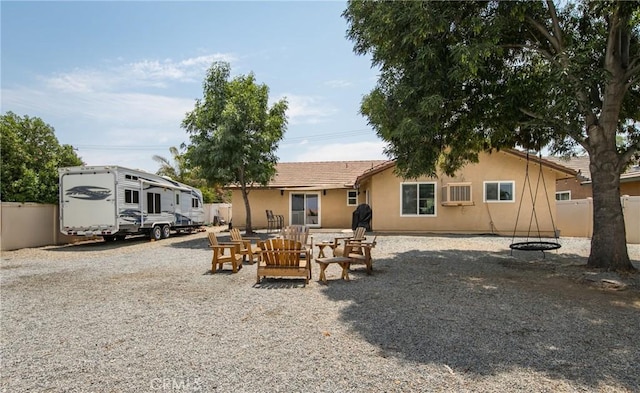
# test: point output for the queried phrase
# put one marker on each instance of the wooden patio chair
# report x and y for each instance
(340, 242)
(281, 258)
(300, 233)
(359, 252)
(220, 257)
(248, 250)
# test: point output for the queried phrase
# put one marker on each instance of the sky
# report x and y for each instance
(115, 79)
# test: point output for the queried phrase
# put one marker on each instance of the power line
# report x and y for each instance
(315, 137)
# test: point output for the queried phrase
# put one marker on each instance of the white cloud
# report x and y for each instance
(143, 73)
(116, 108)
(338, 83)
(308, 109)
(341, 152)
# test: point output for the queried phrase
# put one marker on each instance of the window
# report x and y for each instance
(499, 191)
(563, 196)
(177, 199)
(418, 199)
(131, 196)
(195, 202)
(352, 198)
(457, 194)
(153, 203)
(130, 177)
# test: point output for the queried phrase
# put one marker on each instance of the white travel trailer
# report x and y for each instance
(113, 202)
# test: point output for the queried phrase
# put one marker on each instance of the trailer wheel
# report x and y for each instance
(166, 231)
(156, 233)
(109, 238)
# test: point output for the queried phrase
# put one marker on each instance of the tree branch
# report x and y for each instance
(581, 95)
(555, 24)
(628, 154)
(543, 30)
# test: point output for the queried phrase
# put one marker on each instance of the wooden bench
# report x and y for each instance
(344, 262)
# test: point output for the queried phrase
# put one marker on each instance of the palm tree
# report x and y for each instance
(177, 172)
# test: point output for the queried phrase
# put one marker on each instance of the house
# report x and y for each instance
(317, 194)
(481, 198)
(579, 187)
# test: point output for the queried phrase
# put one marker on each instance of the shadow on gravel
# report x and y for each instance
(487, 313)
(275, 283)
(203, 242)
(100, 244)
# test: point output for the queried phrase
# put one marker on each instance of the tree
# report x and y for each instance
(234, 133)
(31, 156)
(457, 78)
(180, 170)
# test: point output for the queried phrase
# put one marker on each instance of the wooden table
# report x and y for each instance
(325, 262)
(321, 247)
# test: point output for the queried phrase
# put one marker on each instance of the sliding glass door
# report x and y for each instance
(305, 209)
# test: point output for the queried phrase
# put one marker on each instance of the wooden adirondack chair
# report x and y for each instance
(339, 242)
(300, 233)
(248, 250)
(281, 258)
(359, 252)
(220, 257)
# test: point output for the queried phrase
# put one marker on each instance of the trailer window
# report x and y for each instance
(131, 196)
(195, 203)
(153, 203)
(177, 199)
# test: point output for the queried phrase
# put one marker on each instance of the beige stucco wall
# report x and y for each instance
(630, 188)
(583, 191)
(575, 218)
(334, 211)
(578, 191)
(492, 217)
(26, 225)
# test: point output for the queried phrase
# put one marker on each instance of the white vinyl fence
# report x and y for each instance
(575, 217)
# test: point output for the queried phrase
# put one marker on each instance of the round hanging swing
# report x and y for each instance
(534, 244)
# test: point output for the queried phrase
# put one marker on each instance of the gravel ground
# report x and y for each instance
(439, 314)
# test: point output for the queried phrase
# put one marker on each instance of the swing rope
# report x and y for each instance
(539, 244)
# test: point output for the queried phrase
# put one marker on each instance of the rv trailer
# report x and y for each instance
(113, 202)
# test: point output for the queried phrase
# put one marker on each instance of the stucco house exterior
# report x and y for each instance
(579, 187)
(481, 198)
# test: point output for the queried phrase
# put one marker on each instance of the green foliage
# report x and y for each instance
(461, 77)
(31, 156)
(181, 171)
(234, 134)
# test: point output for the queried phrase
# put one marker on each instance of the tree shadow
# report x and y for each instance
(486, 313)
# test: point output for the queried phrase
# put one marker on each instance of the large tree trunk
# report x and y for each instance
(247, 208)
(608, 243)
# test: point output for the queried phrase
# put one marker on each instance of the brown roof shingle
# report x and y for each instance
(324, 173)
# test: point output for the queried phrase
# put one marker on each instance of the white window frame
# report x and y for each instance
(563, 192)
(417, 214)
(354, 197)
(499, 183)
